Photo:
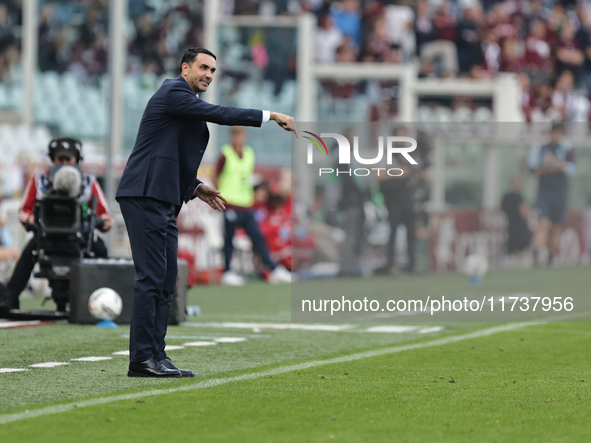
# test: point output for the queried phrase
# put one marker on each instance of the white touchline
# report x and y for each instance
(9, 418)
(229, 339)
(294, 326)
(392, 329)
(430, 329)
(48, 364)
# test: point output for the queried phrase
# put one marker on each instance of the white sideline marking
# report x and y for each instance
(121, 352)
(17, 324)
(431, 329)
(4, 370)
(9, 418)
(229, 339)
(200, 343)
(91, 359)
(296, 326)
(173, 347)
(392, 329)
(49, 364)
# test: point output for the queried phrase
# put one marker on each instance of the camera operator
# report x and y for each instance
(62, 151)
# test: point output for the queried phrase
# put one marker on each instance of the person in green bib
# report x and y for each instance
(234, 173)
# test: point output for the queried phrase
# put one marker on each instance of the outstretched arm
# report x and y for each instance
(180, 102)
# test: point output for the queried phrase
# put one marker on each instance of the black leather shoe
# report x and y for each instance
(151, 368)
(170, 365)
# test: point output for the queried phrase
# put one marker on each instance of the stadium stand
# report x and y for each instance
(540, 40)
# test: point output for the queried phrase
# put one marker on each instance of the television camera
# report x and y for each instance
(64, 229)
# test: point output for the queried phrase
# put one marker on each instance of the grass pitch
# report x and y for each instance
(526, 384)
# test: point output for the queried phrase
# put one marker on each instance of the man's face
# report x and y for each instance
(199, 74)
(238, 137)
(65, 160)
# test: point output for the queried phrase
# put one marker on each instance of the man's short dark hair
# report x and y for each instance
(191, 53)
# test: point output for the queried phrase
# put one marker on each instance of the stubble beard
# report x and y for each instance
(194, 83)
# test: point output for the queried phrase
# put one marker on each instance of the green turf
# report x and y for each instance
(527, 385)
(399, 397)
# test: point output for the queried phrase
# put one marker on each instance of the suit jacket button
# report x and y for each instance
(201, 151)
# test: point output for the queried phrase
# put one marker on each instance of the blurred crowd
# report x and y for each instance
(548, 43)
(10, 21)
(75, 39)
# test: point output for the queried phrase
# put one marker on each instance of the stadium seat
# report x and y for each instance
(483, 114)
(3, 96)
(425, 114)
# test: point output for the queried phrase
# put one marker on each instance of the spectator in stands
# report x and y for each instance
(553, 163)
(234, 174)
(48, 28)
(144, 43)
(499, 22)
(512, 59)
(568, 53)
(95, 24)
(441, 49)
(400, 19)
(280, 49)
(469, 41)
(375, 33)
(347, 18)
(424, 30)
(7, 45)
(583, 38)
(537, 52)
(491, 60)
(555, 21)
(533, 11)
(328, 39)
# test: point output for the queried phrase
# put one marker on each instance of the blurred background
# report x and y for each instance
(455, 68)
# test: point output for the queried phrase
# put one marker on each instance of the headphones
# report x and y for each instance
(66, 143)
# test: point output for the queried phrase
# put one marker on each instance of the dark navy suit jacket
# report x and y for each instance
(171, 141)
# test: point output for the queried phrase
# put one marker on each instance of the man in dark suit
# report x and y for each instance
(161, 175)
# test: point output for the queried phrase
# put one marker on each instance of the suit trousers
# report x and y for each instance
(153, 234)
